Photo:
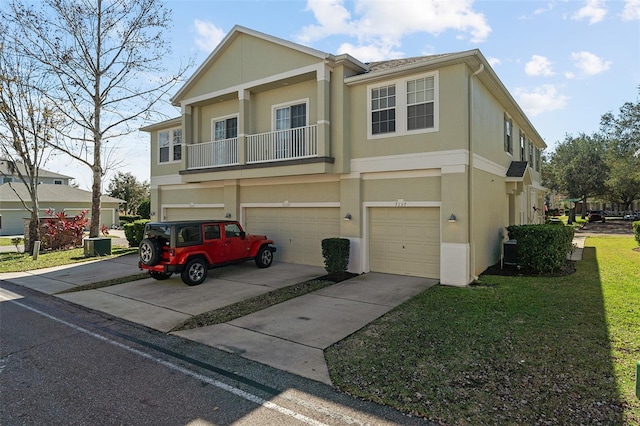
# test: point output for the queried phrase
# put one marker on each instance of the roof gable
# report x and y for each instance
(246, 55)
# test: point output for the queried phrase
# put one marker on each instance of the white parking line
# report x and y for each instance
(231, 389)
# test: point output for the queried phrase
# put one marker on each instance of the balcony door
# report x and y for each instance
(289, 141)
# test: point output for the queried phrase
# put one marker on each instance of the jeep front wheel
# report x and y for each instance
(264, 258)
(149, 252)
(195, 272)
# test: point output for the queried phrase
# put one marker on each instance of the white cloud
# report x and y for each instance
(542, 99)
(593, 10)
(208, 36)
(631, 10)
(539, 65)
(494, 61)
(379, 26)
(590, 64)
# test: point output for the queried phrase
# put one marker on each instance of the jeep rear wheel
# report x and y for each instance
(149, 252)
(195, 272)
(264, 258)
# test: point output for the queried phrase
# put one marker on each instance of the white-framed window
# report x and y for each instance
(538, 159)
(404, 106)
(523, 144)
(508, 134)
(531, 158)
(170, 145)
(57, 182)
(224, 128)
(287, 118)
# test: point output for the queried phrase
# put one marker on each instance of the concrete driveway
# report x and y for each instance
(290, 336)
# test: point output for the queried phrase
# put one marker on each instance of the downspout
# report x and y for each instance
(472, 255)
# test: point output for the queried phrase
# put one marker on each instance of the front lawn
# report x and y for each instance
(509, 350)
(19, 262)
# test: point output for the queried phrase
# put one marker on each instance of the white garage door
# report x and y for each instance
(297, 232)
(192, 213)
(405, 241)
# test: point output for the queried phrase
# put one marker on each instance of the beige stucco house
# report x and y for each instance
(54, 193)
(420, 162)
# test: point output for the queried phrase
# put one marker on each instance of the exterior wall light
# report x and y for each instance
(452, 218)
(348, 216)
(227, 216)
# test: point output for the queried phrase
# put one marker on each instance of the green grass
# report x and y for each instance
(5, 242)
(20, 262)
(510, 350)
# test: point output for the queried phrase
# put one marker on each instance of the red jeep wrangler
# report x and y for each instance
(192, 247)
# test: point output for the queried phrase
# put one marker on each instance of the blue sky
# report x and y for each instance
(565, 62)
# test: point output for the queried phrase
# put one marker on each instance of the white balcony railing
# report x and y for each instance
(290, 144)
(212, 154)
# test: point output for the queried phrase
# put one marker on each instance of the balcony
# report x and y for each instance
(281, 145)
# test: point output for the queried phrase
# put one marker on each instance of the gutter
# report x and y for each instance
(472, 256)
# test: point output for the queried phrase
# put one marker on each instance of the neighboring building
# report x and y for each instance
(9, 173)
(420, 162)
(54, 193)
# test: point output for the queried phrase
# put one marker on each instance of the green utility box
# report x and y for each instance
(97, 246)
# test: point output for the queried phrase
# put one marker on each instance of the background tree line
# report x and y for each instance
(604, 165)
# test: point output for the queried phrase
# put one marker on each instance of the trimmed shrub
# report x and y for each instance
(336, 254)
(542, 248)
(636, 231)
(134, 232)
(128, 218)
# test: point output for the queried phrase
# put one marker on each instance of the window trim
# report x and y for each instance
(508, 138)
(289, 104)
(223, 118)
(171, 146)
(401, 106)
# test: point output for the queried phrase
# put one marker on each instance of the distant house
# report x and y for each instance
(54, 193)
(420, 162)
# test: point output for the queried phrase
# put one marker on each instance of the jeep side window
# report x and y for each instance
(211, 232)
(188, 234)
(232, 230)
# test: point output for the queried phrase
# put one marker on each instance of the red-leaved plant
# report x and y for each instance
(59, 232)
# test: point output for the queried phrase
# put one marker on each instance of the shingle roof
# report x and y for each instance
(517, 169)
(395, 63)
(48, 193)
(4, 168)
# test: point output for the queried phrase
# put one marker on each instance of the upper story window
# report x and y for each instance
(225, 128)
(508, 134)
(406, 106)
(522, 147)
(538, 159)
(420, 103)
(531, 163)
(169, 145)
(383, 110)
(290, 116)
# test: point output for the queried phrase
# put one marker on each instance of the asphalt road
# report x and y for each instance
(64, 364)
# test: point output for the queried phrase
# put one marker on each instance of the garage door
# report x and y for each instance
(192, 213)
(297, 232)
(405, 241)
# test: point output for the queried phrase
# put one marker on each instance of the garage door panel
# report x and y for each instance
(297, 232)
(405, 240)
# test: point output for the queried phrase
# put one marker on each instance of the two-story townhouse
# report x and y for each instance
(54, 193)
(420, 162)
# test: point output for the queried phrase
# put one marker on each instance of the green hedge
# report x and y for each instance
(542, 248)
(134, 232)
(636, 231)
(124, 219)
(336, 254)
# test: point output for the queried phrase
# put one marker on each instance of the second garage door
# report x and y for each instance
(298, 232)
(405, 241)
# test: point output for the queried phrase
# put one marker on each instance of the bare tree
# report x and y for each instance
(27, 124)
(105, 57)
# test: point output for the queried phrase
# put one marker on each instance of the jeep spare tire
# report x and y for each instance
(149, 252)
